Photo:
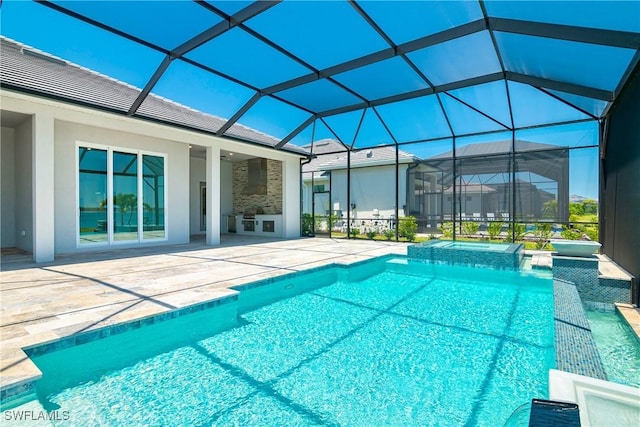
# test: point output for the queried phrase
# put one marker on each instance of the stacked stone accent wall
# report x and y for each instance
(271, 202)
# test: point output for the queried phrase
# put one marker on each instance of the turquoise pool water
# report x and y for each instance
(385, 343)
(618, 347)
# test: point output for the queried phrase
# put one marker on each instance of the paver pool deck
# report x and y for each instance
(41, 303)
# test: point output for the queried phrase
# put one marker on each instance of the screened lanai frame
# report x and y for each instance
(305, 68)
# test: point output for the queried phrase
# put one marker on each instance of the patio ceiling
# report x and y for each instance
(366, 73)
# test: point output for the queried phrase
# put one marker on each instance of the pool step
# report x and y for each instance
(541, 261)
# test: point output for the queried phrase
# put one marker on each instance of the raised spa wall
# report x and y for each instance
(593, 288)
(470, 254)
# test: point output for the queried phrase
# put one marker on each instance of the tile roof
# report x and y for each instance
(30, 70)
(495, 147)
(332, 155)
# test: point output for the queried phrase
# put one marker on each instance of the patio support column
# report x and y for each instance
(291, 198)
(213, 196)
(43, 188)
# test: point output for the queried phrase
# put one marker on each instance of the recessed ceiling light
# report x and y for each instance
(231, 154)
(191, 146)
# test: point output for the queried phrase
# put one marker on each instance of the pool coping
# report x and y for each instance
(631, 315)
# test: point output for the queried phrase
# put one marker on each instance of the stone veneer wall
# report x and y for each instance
(271, 202)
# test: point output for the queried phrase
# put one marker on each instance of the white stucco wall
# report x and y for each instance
(197, 174)
(8, 189)
(291, 198)
(67, 135)
(24, 179)
(70, 123)
(371, 188)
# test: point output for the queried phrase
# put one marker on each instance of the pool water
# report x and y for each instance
(618, 347)
(385, 343)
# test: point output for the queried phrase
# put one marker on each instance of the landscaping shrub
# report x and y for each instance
(469, 228)
(520, 230)
(408, 228)
(494, 228)
(447, 229)
(541, 235)
(571, 233)
(307, 224)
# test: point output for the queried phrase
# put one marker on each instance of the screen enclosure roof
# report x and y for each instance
(364, 73)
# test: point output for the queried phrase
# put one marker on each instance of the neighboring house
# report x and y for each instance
(483, 186)
(80, 174)
(372, 181)
(426, 186)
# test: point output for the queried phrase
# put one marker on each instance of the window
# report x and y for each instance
(318, 188)
(121, 196)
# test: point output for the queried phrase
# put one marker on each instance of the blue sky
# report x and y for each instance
(420, 118)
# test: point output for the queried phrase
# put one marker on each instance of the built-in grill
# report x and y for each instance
(248, 220)
(249, 214)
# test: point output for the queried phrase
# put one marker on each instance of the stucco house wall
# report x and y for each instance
(8, 190)
(69, 135)
(43, 196)
(372, 188)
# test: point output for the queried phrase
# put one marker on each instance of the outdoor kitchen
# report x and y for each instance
(257, 198)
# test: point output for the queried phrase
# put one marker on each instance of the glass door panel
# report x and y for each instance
(125, 196)
(153, 197)
(322, 214)
(92, 195)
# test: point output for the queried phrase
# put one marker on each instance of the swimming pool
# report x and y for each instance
(618, 346)
(383, 343)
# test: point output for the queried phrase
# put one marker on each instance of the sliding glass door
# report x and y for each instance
(121, 196)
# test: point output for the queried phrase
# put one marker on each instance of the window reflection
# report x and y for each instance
(92, 193)
(153, 197)
(133, 208)
(125, 196)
